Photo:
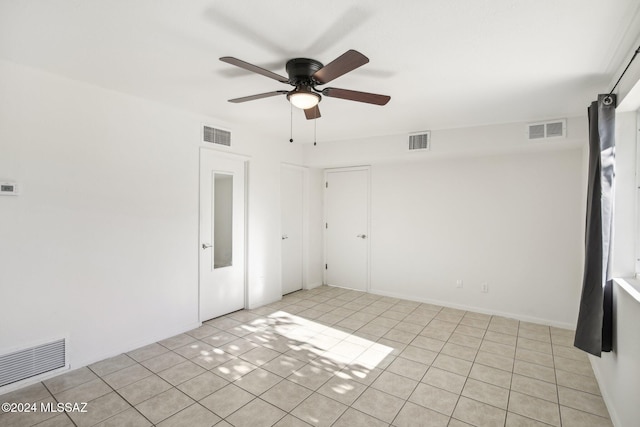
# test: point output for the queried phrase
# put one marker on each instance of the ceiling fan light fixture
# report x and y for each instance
(303, 98)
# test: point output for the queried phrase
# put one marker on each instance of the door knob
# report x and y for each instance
(362, 236)
(284, 236)
(206, 246)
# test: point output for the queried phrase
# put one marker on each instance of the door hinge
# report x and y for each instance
(326, 266)
(326, 225)
(326, 184)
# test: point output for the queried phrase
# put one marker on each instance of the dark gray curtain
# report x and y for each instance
(594, 328)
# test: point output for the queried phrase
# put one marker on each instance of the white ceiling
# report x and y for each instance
(445, 64)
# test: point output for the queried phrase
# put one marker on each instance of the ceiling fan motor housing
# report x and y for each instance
(300, 71)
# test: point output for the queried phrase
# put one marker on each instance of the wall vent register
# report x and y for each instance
(420, 141)
(8, 189)
(544, 130)
(29, 362)
(216, 136)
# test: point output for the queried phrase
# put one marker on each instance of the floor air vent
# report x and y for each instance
(420, 141)
(216, 136)
(551, 129)
(33, 361)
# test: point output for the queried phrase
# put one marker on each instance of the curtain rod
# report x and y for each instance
(625, 70)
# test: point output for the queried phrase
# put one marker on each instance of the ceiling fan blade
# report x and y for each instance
(259, 96)
(312, 113)
(348, 61)
(353, 95)
(254, 68)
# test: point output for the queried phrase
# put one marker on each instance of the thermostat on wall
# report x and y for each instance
(8, 189)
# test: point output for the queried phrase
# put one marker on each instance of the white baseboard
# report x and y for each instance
(516, 316)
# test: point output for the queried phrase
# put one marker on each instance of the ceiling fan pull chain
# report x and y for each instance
(315, 132)
(291, 124)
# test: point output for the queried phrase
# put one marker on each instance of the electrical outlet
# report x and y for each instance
(459, 283)
(484, 288)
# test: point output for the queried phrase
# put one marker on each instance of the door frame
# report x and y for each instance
(305, 221)
(327, 171)
(246, 160)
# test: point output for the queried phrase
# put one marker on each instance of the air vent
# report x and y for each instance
(544, 130)
(33, 361)
(216, 136)
(420, 141)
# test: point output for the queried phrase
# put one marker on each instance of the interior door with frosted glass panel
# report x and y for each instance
(222, 234)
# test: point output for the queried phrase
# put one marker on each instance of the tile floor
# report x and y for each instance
(334, 357)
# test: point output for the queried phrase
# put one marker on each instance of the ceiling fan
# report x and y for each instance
(305, 75)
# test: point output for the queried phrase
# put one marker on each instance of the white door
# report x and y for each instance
(347, 228)
(292, 188)
(222, 228)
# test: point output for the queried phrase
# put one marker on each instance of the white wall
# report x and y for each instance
(101, 246)
(512, 217)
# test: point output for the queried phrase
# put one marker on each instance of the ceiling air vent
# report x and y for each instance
(420, 141)
(216, 136)
(544, 130)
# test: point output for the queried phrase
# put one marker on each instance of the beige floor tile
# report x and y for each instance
(177, 341)
(202, 386)
(428, 343)
(286, 395)
(259, 356)
(435, 333)
(573, 366)
(532, 407)
(536, 357)
(100, 409)
(408, 368)
(578, 382)
(310, 376)
(193, 416)
(495, 360)
(457, 423)
(84, 392)
(30, 417)
(536, 335)
(412, 415)
(108, 366)
(395, 384)
(478, 413)
(126, 376)
(459, 351)
(258, 381)
(227, 400)
(497, 348)
(533, 387)
(233, 369)
(63, 420)
(194, 349)
(144, 389)
(354, 418)
(319, 410)
(203, 331)
(31, 393)
(162, 362)
(147, 352)
(486, 393)
(361, 374)
(452, 364)
(470, 330)
(409, 327)
(290, 421)
(475, 323)
(516, 420)
(181, 372)
(570, 353)
(582, 401)
(256, 413)
(491, 375)
(444, 380)
(575, 418)
(283, 365)
(534, 345)
(465, 340)
(212, 359)
(164, 405)
(418, 354)
(378, 404)
(69, 380)
(505, 339)
(434, 398)
(534, 371)
(343, 390)
(130, 418)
